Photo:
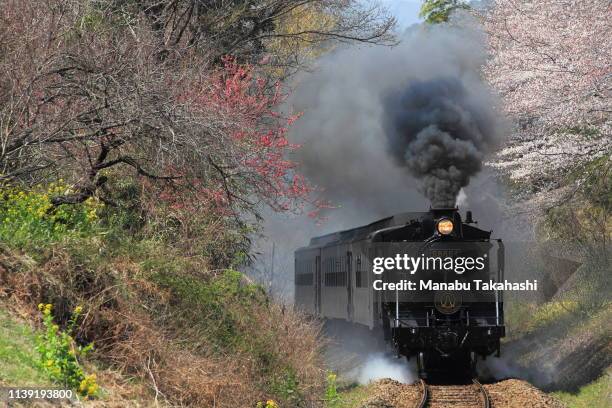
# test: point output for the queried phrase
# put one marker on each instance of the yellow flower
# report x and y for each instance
(78, 309)
(91, 215)
(49, 363)
(91, 390)
(40, 306)
(48, 308)
(88, 385)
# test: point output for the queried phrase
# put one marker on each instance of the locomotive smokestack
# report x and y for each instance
(468, 218)
(440, 130)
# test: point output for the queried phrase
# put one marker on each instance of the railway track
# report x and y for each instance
(454, 396)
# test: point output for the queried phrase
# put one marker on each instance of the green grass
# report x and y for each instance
(351, 396)
(597, 394)
(522, 317)
(18, 364)
(219, 306)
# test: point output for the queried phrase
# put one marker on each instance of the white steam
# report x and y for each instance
(379, 366)
(462, 198)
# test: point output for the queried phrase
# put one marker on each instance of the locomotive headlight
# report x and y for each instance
(445, 226)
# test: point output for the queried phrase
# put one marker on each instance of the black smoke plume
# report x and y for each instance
(362, 109)
(441, 132)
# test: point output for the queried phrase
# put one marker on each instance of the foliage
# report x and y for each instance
(247, 29)
(583, 220)
(287, 386)
(300, 45)
(354, 395)
(438, 11)
(218, 303)
(165, 312)
(594, 290)
(541, 316)
(29, 218)
(219, 309)
(19, 365)
(582, 297)
(582, 228)
(595, 177)
(230, 315)
(550, 62)
(553, 311)
(595, 394)
(253, 163)
(267, 404)
(587, 226)
(332, 398)
(59, 354)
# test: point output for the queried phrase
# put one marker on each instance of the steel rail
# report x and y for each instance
(424, 395)
(484, 395)
(486, 403)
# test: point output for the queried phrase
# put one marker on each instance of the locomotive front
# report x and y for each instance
(449, 317)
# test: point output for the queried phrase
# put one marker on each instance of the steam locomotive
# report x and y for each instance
(441, 328)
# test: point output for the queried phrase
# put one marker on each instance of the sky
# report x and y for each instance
(406, 11)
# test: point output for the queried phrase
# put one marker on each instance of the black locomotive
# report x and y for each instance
(334, 279)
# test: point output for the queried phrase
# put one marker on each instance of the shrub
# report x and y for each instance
(59, 354)
(332, 398)
(287, 387)
(29, 217)
(220, 304)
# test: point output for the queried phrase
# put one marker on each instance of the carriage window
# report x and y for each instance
(304, 272)
(335, 271)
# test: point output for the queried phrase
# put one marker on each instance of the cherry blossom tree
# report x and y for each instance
(550, 61)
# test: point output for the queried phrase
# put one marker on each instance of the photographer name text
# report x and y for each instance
(476, 284)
